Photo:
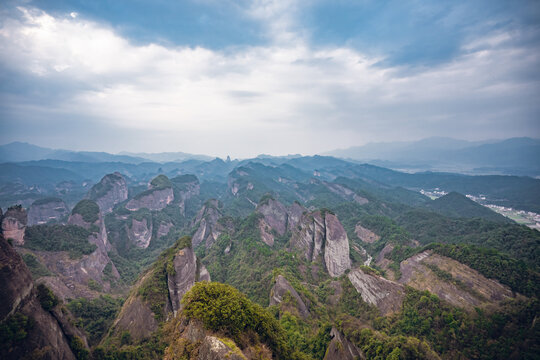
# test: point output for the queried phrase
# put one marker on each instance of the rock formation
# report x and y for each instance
(47, 210)
(336, 252)
(140, 232)
(111, 190)
(419, 272)
(340, 348)
(386, 295)
(185, 187)
(365, 235)
(206, 345)
(164, 228)
(14, 223)
(75, 274)
(279, 291)
(208, 227)
(186, 272)
(157, 197)
(322, 234)
(137, 315)
(46, 333)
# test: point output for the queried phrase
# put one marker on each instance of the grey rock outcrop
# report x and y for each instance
(280, 289)
(111, 190)
(275, 214)
(19, 296)
(151, 199)
(336, 252)
(164, 228)
(186, 272)
(418, 272)
(295, 215)
(365, 235)
(386, 295)
(319, 234)
(140, 232)
(14, 224)
(185, 187)
(340, 348)
(47, 210)
(208, 227)
(206, 346)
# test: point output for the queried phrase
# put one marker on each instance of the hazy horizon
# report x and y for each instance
(265, 77)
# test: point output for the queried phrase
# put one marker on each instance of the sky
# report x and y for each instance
(245, 77)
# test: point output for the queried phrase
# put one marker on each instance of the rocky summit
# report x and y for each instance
(111, 190)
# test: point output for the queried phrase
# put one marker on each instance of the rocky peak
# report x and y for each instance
(157, 197)
(111, 190)
(187, 270)
(14, 223)
(47, 210)
(185, 187)
(320, 233)
(275, 214)
(140, 232)
(295, 215)
(340, 348)
(279, 291)
(208, 227)
(87, 214)
(19, 298)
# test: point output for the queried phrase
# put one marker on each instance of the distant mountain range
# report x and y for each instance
(20, 151)
(515, 156)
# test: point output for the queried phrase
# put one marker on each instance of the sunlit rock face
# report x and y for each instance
(140, 232)
(319, 234)
(111, 190)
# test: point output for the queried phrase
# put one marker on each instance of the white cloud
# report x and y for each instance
(284, 97)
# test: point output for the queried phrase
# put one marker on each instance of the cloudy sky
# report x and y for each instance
(244, 77)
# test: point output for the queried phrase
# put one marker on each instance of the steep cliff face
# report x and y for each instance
(140, 232)
(43, 333)
(340, 348)
(185, 187)
(111, 190)
(157, 197)
(186, 271)
(14, 223)
(386, 295)
(460, 285)
(151, 199)
(336, 252)
(46, 211)
(295, 215)
(275, 214)
(175, 274)
(73, 275)
(208, 227)
(281, 289)
(319, 234)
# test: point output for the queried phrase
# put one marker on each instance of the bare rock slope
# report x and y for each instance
(111, 190)
(47, 210)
